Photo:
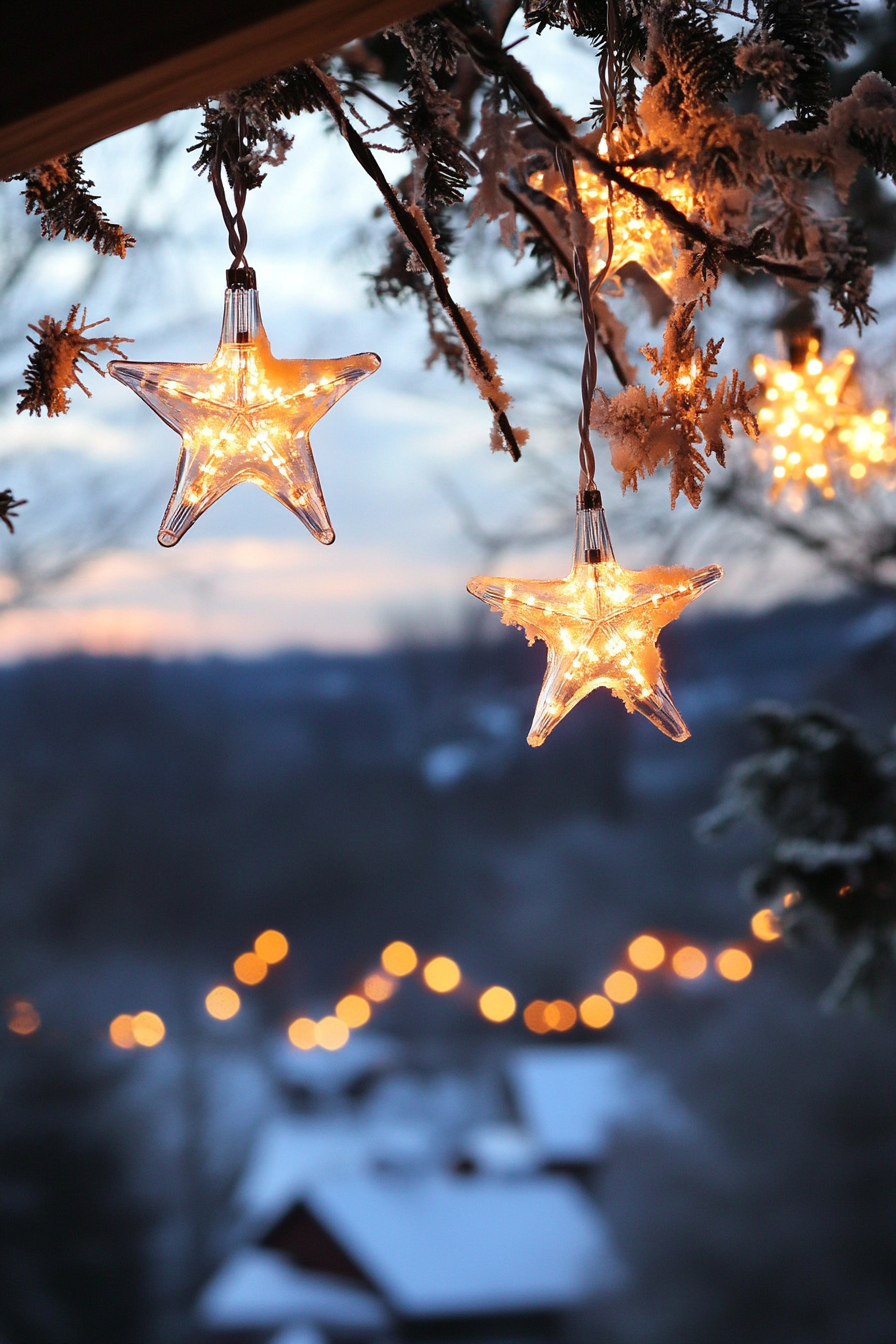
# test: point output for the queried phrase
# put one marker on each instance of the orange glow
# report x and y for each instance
(148, 1029)
(23, 1018)
(792, 898)
(646, 953)
(560, 1015)
(734, 964)
(353, 1010)
(330, 1033)
(497, 1004)
(301, 1033)
(621, 986)
(689, 963)
(249, 969)
(399, 959)
(533, 1016)
(222, 1002)
(271, 946)
(379, 988)
(442, 975)
(121, 1031)
(766, 926)
(596, 1011)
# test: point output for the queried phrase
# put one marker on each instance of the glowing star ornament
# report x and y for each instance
(245, 416)
(600, 625)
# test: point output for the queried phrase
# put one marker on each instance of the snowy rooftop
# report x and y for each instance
(260, 1289)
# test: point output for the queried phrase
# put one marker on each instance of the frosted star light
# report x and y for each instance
(600, 624)
(245, 416)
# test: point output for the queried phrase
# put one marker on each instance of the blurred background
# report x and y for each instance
(254, 733)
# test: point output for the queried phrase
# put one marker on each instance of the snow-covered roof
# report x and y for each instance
(299, 1334)
(331, 1071)
(499, 1149)
(259, 1289)
(439, 1244)
(571, 1097)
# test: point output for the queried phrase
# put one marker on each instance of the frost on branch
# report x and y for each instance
(59, 193)
(685, 424)
(53, 365)
(499, 154)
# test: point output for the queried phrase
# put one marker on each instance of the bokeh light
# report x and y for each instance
(399, 958)
(560, 1015)
(596, 1011)
(620, 986)
(379, 988)
(497, 1004)
(330, 1033)
(301, 1033)
(689, 963)
(222, 1002)
(23, 1018)
(121, 1031)
(442, 975)
(533, 1016)
(646, 952)
(271, 946)
(734, 964)
(353, 1010)
(148, 1029)
(766, 926)
(249, 968)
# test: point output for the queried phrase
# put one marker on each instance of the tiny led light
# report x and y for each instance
(620, 986)
(646, 952)
(330, 1033)
(689, 963)
(353, 1010)
(271, 946)
(399, 958)
(121, 1031)
(734, 964)
(497, 1004)
(222, 1002)
(250, 969)
(301, 1033)
(596, 1011)
(379, 988)
(23, 1019)
(533, 1016)
(148, 1029)
(560, 1015)
(766, 926)
(442, 975)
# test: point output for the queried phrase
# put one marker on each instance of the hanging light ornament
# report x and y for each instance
(245, 416)
(811, 416)
(601, 622)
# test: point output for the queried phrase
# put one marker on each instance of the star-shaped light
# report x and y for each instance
(246, 416)
(600, 625)
(812, 417)
(637, 236)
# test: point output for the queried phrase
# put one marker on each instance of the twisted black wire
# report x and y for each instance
(583, 289)
(237, 233)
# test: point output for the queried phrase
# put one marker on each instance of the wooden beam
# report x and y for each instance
(181, 80)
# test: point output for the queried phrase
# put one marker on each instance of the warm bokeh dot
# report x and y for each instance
(596, 1011)
(766, 926)
(249, 969)
(689, 963)
(497, 1004)
(560, 1015)
(148, 1029)
(533, 1016)
(379, 988)
(646, 952)
(734, 964)
(121, 1031)
(23, 1018)
(330, 1033)
(301, 1033)
(222, 1002)
(271, 946)
(353, 1010)
(442, 975)
(620, 986)
(399, 958)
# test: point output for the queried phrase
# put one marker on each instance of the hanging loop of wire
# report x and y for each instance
(237, 234)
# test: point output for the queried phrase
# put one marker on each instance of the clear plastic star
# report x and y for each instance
(600, 625)
(245, 416)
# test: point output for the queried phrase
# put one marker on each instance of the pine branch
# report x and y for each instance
(53, 365)
(8, 507)
(59, 193)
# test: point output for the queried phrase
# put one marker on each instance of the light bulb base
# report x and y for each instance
(241, 277)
